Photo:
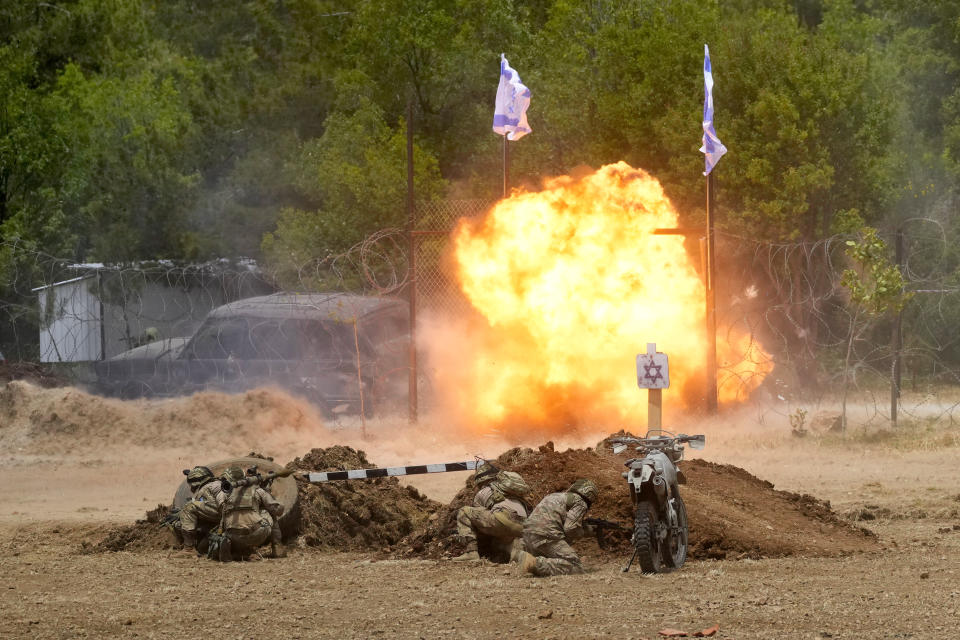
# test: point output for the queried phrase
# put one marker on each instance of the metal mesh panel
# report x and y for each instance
(437, 290)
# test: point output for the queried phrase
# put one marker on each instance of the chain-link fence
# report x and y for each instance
(437, 290)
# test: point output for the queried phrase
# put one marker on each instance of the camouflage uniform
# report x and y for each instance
(554, 522)
(493, 514)
(203, 510)
(497, 514)
(250, 517)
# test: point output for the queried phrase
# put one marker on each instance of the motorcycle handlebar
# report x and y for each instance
(661, 442)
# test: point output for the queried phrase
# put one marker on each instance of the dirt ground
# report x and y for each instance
(75, 468)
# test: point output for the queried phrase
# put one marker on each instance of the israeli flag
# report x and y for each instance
(712, 147)
(513, 98)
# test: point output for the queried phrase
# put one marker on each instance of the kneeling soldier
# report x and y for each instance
(202, 512)
(554, 523)
(498, 513)
(250, 517)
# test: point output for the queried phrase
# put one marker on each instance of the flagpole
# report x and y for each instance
(506, 166)
(711, 300)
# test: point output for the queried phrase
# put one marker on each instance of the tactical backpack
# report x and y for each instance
(511, 483)
(218, 546)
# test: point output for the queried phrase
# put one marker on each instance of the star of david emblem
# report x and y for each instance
(653, 372)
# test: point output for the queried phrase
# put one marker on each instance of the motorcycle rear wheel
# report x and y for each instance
(675, 547)
(646, 544)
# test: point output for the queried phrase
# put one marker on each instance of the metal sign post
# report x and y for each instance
(653, 374)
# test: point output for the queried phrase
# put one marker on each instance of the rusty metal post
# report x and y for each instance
(411, 272)
(896, 339)
(711, 316)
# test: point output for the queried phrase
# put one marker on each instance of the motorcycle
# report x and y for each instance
(660, 528)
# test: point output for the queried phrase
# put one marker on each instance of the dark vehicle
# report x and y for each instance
(341, 352)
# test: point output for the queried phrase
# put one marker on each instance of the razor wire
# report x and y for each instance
(781, 306)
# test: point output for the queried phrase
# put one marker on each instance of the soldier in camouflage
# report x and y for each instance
(250, 517)
(497, 512)
(202, 512)
(554, 523)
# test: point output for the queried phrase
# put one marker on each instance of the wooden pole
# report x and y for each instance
(654, 400)
(363, 413)
(711, 315)
(411, 273)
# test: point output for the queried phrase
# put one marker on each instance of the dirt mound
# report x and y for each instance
(144, 535)
(356, 514)
(40, 418)
(34, 372)
(350, 515)
(731, 513)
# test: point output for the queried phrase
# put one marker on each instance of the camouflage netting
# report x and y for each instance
(356, 514)
(731, 513)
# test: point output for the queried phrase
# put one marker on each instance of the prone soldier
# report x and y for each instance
(550, 528)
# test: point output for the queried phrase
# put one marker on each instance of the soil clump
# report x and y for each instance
(143, 535)
(732, 514)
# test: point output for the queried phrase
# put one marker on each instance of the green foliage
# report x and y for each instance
(356, 175)
(177, 129)
(876, 285)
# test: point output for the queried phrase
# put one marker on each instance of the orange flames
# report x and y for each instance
(571, 284)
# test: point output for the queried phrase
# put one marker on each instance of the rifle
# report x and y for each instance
(169, 520)
(602, 526)
(600, 523)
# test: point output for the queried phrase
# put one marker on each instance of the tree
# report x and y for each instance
(355, 175)
(876, 288)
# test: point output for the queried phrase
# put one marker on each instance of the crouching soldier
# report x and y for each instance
(550, 528)
(497, 514)
(250, 517)
(202, 512)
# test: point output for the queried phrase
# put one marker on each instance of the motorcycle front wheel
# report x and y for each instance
(646, 542)
(675, 547)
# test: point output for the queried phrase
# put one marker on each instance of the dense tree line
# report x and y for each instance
(190, 129)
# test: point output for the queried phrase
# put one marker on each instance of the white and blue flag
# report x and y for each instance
(712, 148)
(513, 98)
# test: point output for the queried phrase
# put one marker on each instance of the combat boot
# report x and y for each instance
(515, 550)
(469, 554)
(527, 562)
(277, 550)
(189, 547)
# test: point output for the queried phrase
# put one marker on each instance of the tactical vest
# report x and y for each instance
(241, 500)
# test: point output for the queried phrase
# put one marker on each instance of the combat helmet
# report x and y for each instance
(198, 476)
(229, 477)
(486, 473)
(586, 489)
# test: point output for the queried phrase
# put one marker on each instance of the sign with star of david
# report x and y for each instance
(652, 371)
